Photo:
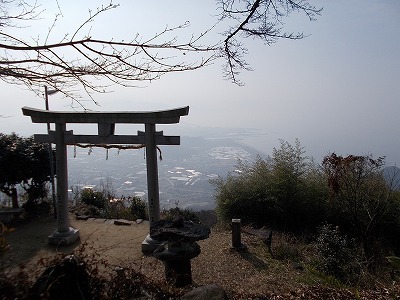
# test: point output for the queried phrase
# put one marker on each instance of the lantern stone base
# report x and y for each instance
(176, 258)
(149, 245)
(64, 238)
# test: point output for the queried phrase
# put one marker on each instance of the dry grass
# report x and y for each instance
(255, 273)
(249, 272)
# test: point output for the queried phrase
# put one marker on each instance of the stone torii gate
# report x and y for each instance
(64, 234)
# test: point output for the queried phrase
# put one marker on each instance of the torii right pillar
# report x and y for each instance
(149, 244)
(152, 173)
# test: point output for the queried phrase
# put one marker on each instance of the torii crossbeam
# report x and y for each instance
(105, 121)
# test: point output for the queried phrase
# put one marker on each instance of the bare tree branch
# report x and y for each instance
(109, 61)
(25, 12)
(256, 19)
(95, 64)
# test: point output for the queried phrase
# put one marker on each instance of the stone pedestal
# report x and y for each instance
(149, 245)
(176, 258)
(64, 238)
(178, 246)
(237, 235)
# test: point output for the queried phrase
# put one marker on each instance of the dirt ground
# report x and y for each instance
(117, 244)
(239, 273)
(121, 246)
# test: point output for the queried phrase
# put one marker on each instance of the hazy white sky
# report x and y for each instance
(336, 90)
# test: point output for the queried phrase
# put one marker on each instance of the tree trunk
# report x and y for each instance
(371, 249)
(14, 197)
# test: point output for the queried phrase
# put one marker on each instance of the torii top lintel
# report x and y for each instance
(126, 117)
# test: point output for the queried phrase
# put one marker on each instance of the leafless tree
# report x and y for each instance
(262, 19)
(94, 63)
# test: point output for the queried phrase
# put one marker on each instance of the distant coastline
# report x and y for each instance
(184, 172)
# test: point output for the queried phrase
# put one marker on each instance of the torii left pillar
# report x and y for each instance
(64, 234)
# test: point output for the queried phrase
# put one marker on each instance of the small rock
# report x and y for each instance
(207, 292)
(99, 220)
(139, 221)
(82, 217)
(122, 222)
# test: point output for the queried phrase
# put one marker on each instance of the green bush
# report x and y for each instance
(287, 247)
(95, 198)
(362, 201)
(138, 208)
(82, 209)
(207, 218)
(286, 191)
(335, 253)
(117, 210)
(96, 204)
(390, 227)
(37, 208)
(246, 204)
(186, 214)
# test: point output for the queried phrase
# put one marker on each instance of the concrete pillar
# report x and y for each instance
(64, 234)
(237, 235)
(152, 173)
(149, 244)
(62, 179)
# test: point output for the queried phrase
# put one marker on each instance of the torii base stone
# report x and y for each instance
(64, 238)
